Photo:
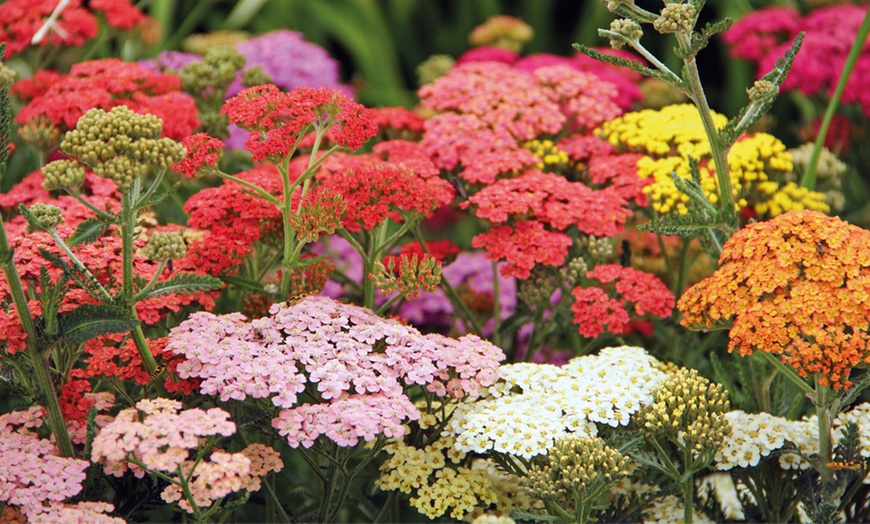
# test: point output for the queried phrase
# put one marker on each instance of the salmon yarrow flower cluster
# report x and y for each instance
(157, 436)
(532, 405)
(759, 164)
(336, 370)
(797, 286)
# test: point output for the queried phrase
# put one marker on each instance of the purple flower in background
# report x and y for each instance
(172, 61)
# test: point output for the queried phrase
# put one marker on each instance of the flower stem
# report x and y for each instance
(37, 361)
(809, 179)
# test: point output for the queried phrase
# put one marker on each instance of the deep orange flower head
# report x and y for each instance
(798, 286)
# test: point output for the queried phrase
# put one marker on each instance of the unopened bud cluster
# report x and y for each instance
(762, 90)
(572, 466)
(412, 275)
(502, 31)
(41, 133)
(626, 28)
(215, 72)
(433, 68)
(574, 271)
(675, 18)
(689, 409)
(598, 249)
(62, 174)
(7, 76)
(45, 217)
(538, 288)
(255, 76)
(165, 246)
(120, 145)
(320, 213)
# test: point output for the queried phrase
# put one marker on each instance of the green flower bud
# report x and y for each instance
(46, 217)
(7, 76)
(433, 68)
(165, 246)
(675, 18)
(63, 174)
(762, 90)
(215, 124)
(627, 28)
(40, 133)
(255, 76)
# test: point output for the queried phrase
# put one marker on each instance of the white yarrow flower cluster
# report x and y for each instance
(670, 510)
(755, 435)
(532, 405)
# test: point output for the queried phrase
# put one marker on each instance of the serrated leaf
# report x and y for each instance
(243, 283)
(88, 231)
(630, 64)
(183, 283)
(524, 516)
(157, 197)
(701, 39)
(73, 273)
(92, 320)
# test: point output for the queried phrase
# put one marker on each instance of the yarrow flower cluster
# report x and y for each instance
(759, 164)
(158, 436)
(276, 120)
(795, 286)
(354, 361)
(625, 295)
(104, 84)
(532, 405)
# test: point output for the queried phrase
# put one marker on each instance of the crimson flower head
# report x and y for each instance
(203, 154)
(105, 84)
(523, 246)
(277, 120)
(377, 190)
(20, 20)
(443, 251)
(626, 295)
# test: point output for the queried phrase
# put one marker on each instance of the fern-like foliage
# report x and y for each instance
(156, 197)
(182, 283)
(749, 115)
(81, 279)
(5, 122)
(88, 231)
(93, 320)
(701, 39)
(242, 283)
(630, 64)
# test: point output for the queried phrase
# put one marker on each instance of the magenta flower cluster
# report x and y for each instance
(353, 367)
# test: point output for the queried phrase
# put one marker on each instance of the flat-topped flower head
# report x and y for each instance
(797, 286)
(277, 120)
(203, 152)
(523, 247)
(356, 365)
(532, 405)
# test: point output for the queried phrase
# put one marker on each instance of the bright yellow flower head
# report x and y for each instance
(668, 137)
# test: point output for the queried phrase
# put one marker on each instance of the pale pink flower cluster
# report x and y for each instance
(209, 479)
(81, 513)
(157, 434)
(32, 472)
(224, 473)
(356, 366)
(584, 98)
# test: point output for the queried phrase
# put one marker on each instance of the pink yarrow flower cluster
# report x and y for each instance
(352, 365)
(34, 475)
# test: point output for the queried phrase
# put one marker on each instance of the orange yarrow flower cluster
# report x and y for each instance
(798, 286)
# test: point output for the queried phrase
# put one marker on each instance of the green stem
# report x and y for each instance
(37, 361)
(262, 193)
(688, 489)
(153, 187)
(99, 212)
(142, 292)
(448, 288)
(824, 402)
(789, 373)
(696, 93)
(809, 179)
(78, 263)
(496, 307)
(386, 306)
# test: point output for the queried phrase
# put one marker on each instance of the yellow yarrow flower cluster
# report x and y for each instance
(759, 164)
(551, 157)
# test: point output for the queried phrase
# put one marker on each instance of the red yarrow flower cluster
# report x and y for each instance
(625, 295)
(376, 191)
(108, 83)
(443, 251)
(20, 20)
(552, 200)
(278, 120)
(203, 154)
(523, 246)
